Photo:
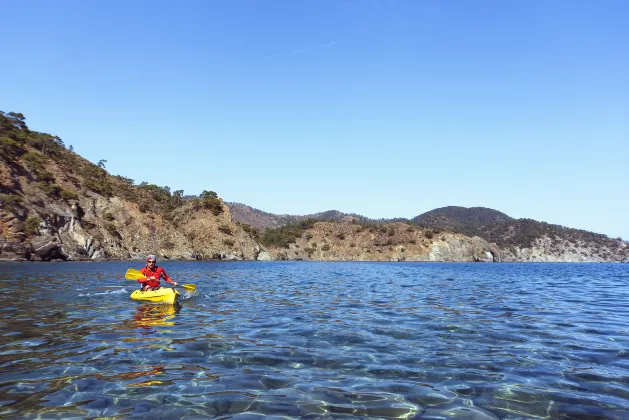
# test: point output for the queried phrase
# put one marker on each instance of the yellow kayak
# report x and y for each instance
(162, 295)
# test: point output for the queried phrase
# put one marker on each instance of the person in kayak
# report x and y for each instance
(153, 273)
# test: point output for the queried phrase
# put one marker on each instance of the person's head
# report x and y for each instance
(151, 260)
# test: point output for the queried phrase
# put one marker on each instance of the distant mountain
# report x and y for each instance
(471, 221)
(56, 205)
(516, 239)
(263, 220)
(505, 231)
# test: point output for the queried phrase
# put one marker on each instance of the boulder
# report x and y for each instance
(47, 247)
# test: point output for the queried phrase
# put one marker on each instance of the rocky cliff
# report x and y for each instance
(55, 205)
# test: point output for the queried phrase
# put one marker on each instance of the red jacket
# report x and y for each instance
(157, 272)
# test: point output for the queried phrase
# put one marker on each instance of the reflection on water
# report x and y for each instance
(377, 340)
(151, 315)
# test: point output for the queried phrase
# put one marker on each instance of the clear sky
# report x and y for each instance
(382, 108)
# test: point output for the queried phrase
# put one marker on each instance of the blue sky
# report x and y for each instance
(382, 108)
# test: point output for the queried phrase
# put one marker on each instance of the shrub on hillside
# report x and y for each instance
(52, 190)
(95, 179)
(35, 161)
(285, 235)
(124, 179)
(249, 229)
(111, 228)
(11, 201)
(225, 229)
(68, 195)
(10, 149)
(144, 207)
(31, 225)
(210, 201)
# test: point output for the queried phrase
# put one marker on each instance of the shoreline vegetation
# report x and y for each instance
(57, 206)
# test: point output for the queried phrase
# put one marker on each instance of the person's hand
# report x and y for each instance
(152, 278)
(176, 284)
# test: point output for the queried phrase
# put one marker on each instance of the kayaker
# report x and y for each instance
(153, 273)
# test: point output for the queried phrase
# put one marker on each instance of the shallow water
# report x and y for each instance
(301, 339)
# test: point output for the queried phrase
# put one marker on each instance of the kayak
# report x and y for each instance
(162, 295)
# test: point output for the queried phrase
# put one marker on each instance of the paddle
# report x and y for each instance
(133, 274)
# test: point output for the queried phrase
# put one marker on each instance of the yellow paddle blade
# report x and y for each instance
(133, 274)
(189, 287)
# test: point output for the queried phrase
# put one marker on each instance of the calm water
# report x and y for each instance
(299, 339)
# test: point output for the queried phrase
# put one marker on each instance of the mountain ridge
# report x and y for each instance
(489, 224)
(56, 205)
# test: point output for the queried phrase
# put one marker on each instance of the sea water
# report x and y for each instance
(317, 340)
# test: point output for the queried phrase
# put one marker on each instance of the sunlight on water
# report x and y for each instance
(372, 340)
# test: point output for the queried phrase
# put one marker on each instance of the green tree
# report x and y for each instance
(178, 197)
(31, 225)
(210, 201)
(208, 194)
(10, 149)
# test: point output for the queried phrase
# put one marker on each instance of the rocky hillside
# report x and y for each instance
(495, 236)
(328, 241)
(525, 239)
(468, 221)
(409, 242)
(55, 205)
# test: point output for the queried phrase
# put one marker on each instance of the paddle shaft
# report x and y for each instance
(133, 274)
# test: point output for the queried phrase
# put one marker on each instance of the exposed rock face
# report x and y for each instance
(393, 242)
(55, 205)
(546, 250)
(65, 233)
(97, 227)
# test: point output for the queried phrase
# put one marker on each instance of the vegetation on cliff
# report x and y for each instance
(283, 236)
(29, 153)
(44, 184)
(54, 204)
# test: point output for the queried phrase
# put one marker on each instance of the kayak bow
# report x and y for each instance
(162, 295)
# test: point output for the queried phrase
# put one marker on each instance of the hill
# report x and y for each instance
(512, 234)
(263, 220)
(56, 205)
(469, 221)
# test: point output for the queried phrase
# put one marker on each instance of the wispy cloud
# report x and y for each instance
(313, 47)
(305, 49)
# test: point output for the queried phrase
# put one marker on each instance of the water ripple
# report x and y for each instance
(317, 340)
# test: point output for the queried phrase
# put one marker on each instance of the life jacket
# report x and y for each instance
(157, 272)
